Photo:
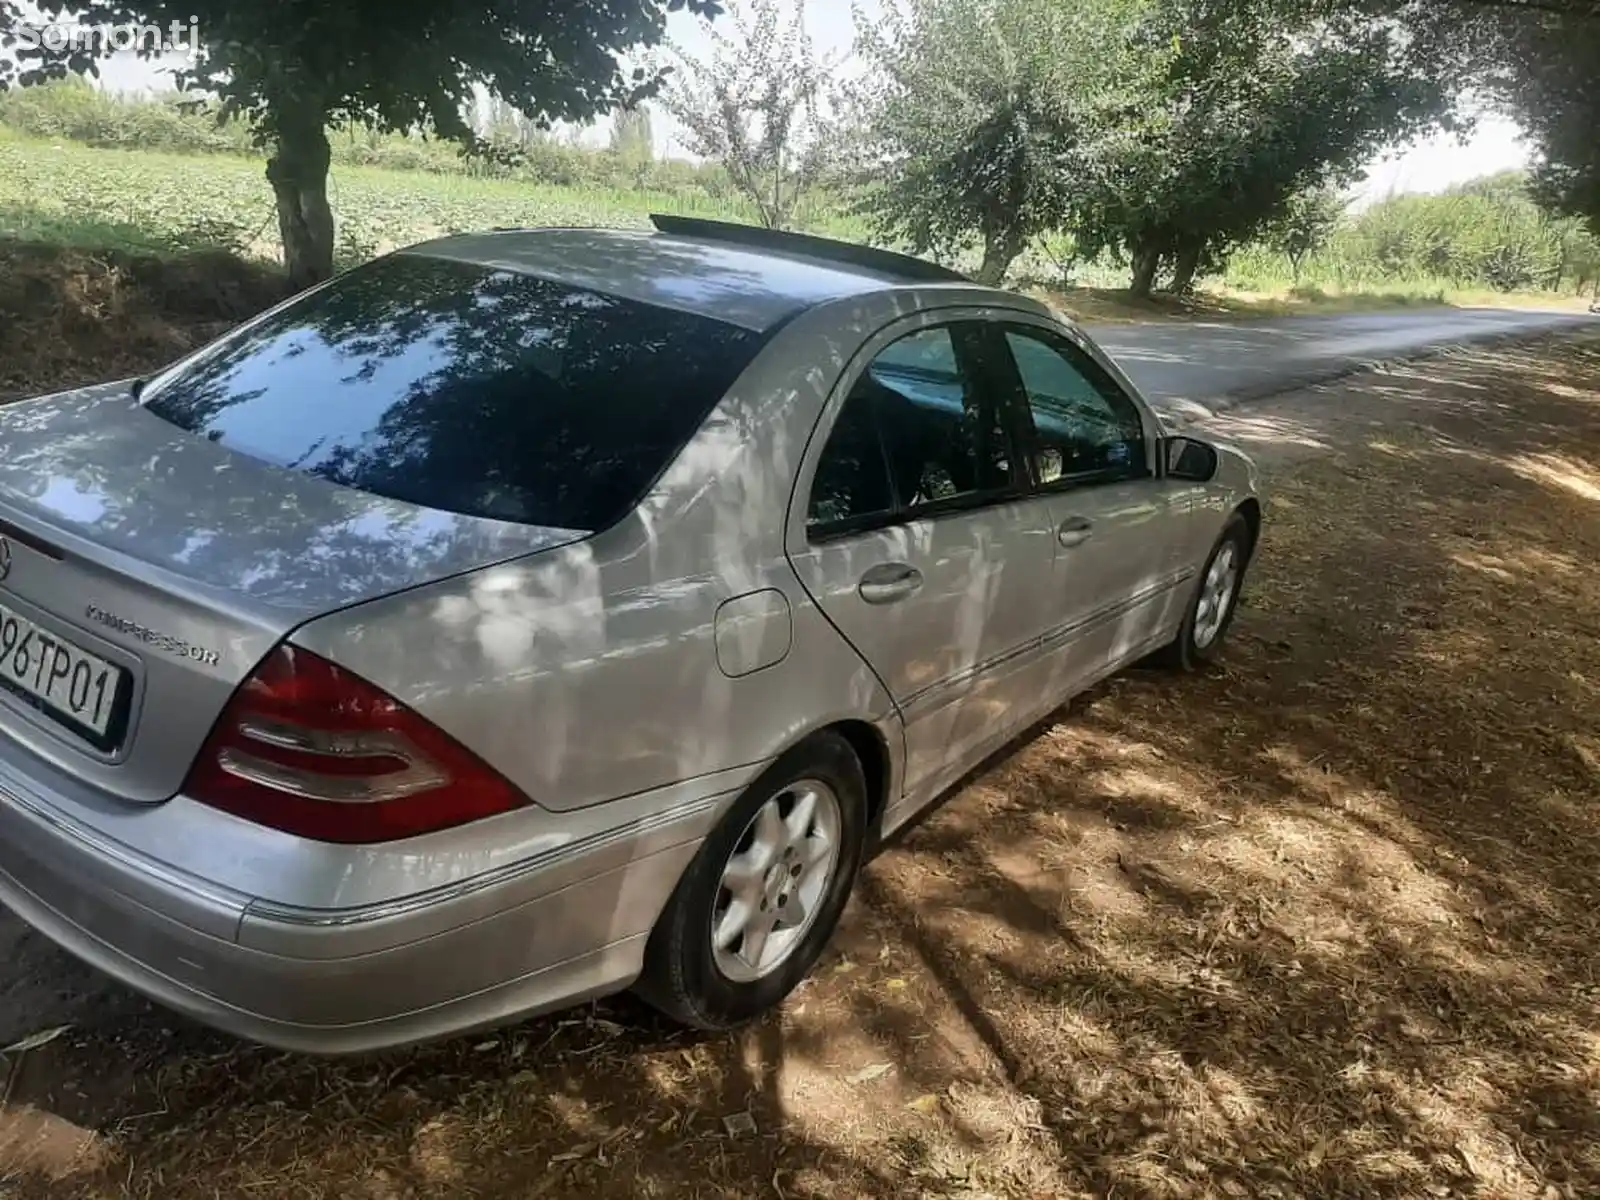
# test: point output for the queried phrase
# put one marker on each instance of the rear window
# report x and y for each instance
(465, 388)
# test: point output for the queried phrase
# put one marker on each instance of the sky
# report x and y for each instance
(1430, 165)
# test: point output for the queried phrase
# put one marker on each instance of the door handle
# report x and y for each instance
(1074, 531)
(889, 582)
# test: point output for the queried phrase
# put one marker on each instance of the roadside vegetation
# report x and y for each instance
(1128, 158)
(1486, 237)
(92, 185)
(1161, 139)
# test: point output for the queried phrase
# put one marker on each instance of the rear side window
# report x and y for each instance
(465, 388)
(852, 482)
(919, 432)
(942, 429)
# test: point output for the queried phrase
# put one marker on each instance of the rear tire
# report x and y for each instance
(749, 918)
(1215, 600)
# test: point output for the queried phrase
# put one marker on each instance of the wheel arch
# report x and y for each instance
(1250, 510)
(877, 767)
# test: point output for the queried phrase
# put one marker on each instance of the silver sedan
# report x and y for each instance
(527, 616)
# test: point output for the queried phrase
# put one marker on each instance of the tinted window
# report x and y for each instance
(1086, 427)
(942, 430)
(932, 351)
(465, 388)
(852, 478)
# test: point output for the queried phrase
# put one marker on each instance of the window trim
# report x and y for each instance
(1103, 382)
(825, 531)
(989, 376)
(933, 510)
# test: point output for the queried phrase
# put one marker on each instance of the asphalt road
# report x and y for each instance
(1183, 365)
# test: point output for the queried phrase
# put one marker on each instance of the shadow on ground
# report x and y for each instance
(1322, 921)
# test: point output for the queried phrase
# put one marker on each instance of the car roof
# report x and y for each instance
(751, 285)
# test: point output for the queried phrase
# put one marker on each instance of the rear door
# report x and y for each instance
(922, 546)
(1116, 587)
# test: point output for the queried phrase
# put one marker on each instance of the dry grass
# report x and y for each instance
(1217, 302)
(1324, 921)
(71, 317)
(1118, 305)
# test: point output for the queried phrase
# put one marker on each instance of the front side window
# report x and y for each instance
(921, 428)
(1087, 430)
(465, 388)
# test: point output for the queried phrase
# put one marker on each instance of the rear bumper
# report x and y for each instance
(548, 933)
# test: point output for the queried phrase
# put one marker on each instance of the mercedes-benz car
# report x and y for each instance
(531, 615)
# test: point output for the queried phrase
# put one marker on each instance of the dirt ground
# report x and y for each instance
(68, 317)
(1323, 921)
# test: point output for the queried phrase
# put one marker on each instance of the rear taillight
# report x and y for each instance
(307, 747)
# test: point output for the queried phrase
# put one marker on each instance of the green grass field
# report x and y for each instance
(83, 198)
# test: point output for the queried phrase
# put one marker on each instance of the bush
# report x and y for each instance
(1484, 234)
(1497, 240)
(72, 110)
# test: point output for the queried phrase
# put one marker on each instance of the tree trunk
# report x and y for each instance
(774, 219)
(298, 172)
(1000, 250)
(1145, 262)
(1183, 272)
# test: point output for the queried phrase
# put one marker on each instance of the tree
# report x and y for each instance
(295, 67)
(755, 104)
(1550, 80)
(504, 125)
(1307, 222)
(1539, 58)
(1222, 113)
(632, 137)
(1580, 256)
(965, 122)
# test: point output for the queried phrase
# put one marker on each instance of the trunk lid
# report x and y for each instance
(175, 565)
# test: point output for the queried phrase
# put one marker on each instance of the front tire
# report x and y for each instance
(761, 898)
(1216, 598)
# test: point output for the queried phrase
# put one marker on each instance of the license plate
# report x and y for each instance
(57, 676)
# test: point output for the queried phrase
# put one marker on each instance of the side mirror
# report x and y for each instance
(1190, 458)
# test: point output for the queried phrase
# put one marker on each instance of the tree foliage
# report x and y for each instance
(756, 104)
(1488, 233)
(1227, 112)
(295, 67)
(1166, 132)
(1537, 59)
(968, 121)
(1550, 78)
(633, 138)
(1308, 221)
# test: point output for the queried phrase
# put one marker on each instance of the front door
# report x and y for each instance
(922, 545)
(1118, 584)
